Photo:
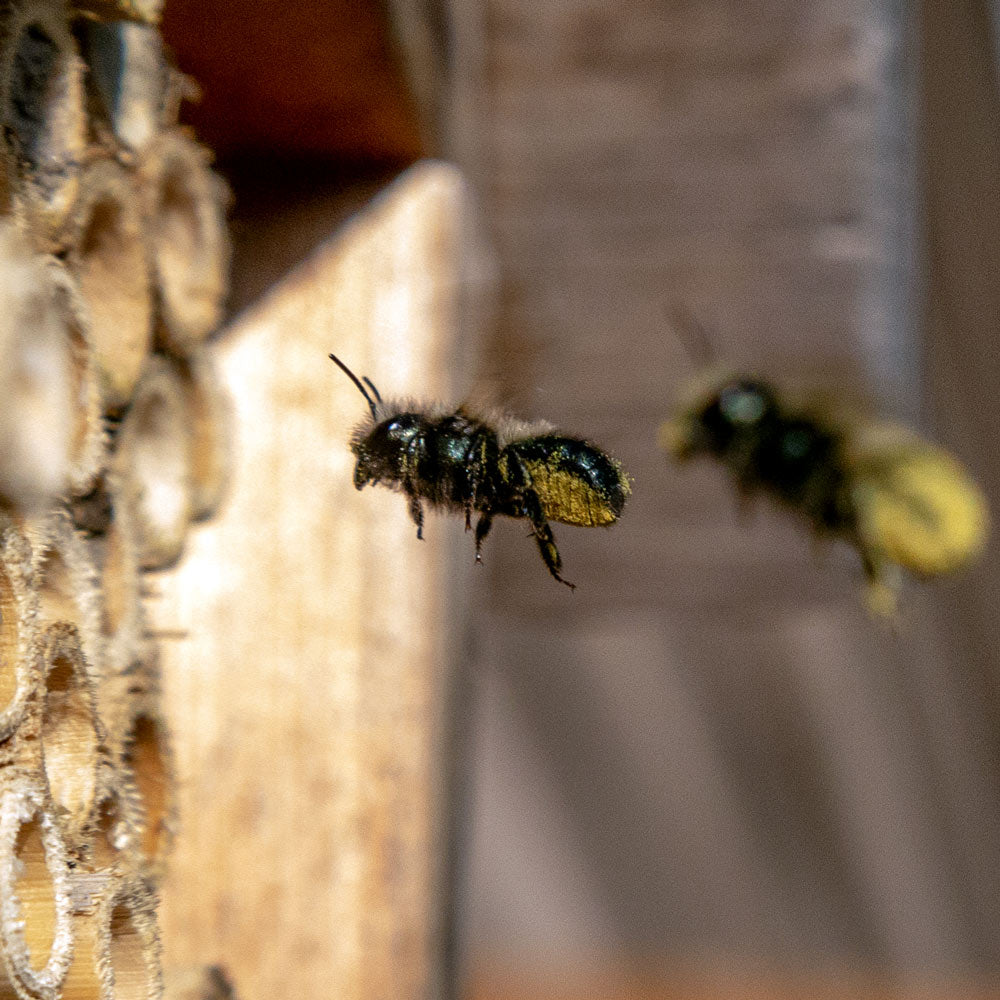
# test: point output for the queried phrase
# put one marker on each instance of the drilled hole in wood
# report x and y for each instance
(128, 961)
(69, 740)
(35, 892)
(144, 758)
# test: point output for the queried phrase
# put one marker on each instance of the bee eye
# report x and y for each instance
(741, 404)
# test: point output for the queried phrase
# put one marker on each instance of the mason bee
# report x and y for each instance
(899, 500)
(455, 460)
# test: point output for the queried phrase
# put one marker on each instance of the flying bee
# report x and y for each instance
(899, 500)
(454, 460)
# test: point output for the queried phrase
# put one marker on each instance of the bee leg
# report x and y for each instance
(881, 587)
(544, 537)
(409, 484)
(475, 463)
(483, 526)
(416, 513)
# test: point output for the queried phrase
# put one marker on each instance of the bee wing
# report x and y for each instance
(915, 504)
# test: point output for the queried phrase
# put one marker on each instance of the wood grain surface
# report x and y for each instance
(306, 703)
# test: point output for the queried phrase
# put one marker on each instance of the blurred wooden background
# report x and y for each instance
(707, 749)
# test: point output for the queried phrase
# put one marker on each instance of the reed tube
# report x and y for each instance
(117, 953)
(107, 258)
(18, 624)
(209, 416)
(129, 79)
(42, 109)
(71, 733)
(67, 584)
(114, 554)
(146, 775)
(51, 438)
(133, 970)
(152, 464)
(185, 207)
(35, 901)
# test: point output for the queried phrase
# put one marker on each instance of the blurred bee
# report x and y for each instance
(899, 500)
(457, 461)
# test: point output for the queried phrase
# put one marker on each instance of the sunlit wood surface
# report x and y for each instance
(306, 686)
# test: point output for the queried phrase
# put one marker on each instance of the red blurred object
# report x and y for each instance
(314, 78)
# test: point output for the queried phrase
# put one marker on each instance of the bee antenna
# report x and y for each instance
(371, 385)
(354, 378)
(692, 335)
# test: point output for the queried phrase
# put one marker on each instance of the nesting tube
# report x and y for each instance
(185, 206)
(107, 258)
(146, 784)
(134, 970)
(67, 584)
(42, 108)
(117, 953)
(115, 557)
(153, 466)
(51, 439)
(71, 732)
(18, 624)
(209, 420)
(129, 78)
(35, 899)
(113, 836)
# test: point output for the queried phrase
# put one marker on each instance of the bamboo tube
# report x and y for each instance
(153, 466)
(42, 110)
(130, 80)
(185, 207)
(35, 902)
(209, 417)
(51, 439)
(107, 258)
(18, 621)
(71, 732)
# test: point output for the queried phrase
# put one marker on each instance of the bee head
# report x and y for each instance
(737, 407)
(381, 451)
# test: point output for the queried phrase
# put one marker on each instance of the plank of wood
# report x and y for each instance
(306, 704)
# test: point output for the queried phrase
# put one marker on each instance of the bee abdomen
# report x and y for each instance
(923, 511)
(575, 482)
